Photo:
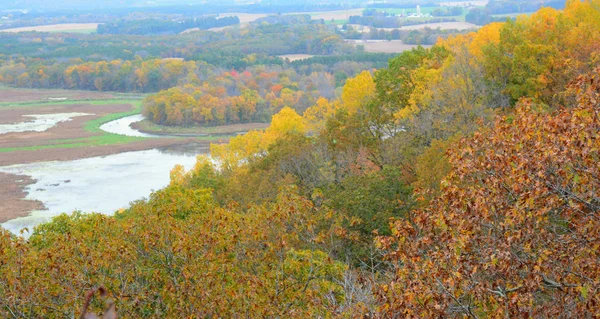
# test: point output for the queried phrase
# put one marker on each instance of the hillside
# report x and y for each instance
(461, 181)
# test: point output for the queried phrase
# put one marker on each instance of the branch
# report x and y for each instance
(467, 308)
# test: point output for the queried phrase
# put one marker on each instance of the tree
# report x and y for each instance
(514, 231)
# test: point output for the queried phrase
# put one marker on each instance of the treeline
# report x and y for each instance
(117, 75)
(379, 60)
(229, 98)
(421, 36)
(154, 26)
(467, 172)
(235, 59)
(131, 63)
(482, 17)
(288, 19)
(447, 11)
(279, 39)
(159, 74)
(153, 75)
(269, 39)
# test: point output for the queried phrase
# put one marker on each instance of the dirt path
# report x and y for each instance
(12, 197)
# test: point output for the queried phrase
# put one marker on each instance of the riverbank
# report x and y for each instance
(148, 127)
(75, 136)
(13, 202)
(12, 197)
(68, 154)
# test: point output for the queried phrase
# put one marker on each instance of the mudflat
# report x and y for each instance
(31, 95)
(12, 197)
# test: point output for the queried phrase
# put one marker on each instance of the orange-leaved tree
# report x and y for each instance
(516, 230)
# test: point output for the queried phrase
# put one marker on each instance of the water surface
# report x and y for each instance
(122, 126)
(98, 184)
(40, 122)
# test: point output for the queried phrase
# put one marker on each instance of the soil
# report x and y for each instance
(201, 131)
(68, 154)
(25, 95)
(12, 197)
(64, 130)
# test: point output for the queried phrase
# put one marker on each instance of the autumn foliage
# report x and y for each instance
(460, 182)
(230, 97)
(515, 232)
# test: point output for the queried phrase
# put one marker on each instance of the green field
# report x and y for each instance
(92, 126)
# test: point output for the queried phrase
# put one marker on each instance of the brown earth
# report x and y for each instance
(68, 154)
(26, 95)
(200, 130)
(12, 202)
(64, 130)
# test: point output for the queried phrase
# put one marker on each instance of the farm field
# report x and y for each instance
(66, 27)
(443, 26)
(384, 46)
(339, 15)
(296, 57)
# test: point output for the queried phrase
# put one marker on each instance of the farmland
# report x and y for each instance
(54, 28)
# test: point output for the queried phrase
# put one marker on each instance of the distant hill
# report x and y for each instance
(108, 4)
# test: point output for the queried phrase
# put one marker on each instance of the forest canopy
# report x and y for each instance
(460, 181)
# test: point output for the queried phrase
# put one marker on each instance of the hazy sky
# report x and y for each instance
(88, 4)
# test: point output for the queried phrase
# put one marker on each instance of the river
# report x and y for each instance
(99, 184)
